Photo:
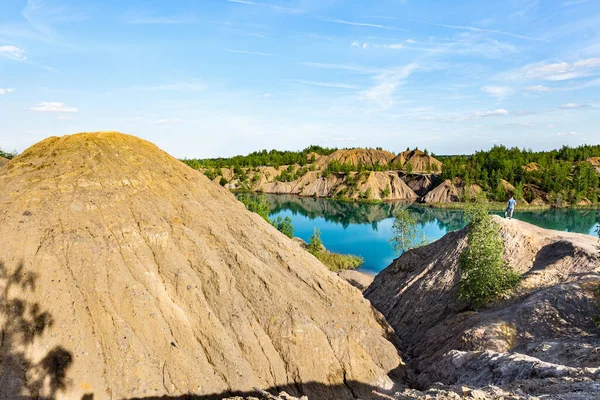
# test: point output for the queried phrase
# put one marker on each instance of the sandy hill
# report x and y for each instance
(128, 274)
(419, 161)
(3, 161)
(452, 191)
(356, 157)
(541, 341)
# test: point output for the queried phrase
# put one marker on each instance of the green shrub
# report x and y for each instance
(315, 243)
(485, 274)
(256, 204)
(284, 225)
(339, 262)
(223, 181)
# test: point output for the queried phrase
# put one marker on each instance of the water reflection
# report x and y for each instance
(365, 229)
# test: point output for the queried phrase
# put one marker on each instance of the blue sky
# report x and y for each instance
(223, 77)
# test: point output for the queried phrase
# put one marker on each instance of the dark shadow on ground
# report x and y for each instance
(21, 322)
(314, 391)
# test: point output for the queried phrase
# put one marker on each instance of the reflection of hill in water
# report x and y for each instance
(346, 213)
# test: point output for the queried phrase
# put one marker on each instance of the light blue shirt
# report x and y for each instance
(512, 203)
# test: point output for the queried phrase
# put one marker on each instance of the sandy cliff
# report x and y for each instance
(128, 274)
(544, 330)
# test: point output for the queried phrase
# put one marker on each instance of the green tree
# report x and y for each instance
(284, 225)
(257, 204)
(315, 244)
(409, 168)
(485, 274)
(405, 232)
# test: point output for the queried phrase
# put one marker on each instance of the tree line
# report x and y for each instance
(559, 173)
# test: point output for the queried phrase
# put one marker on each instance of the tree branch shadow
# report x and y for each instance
(21, 323)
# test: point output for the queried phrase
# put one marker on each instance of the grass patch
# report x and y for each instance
(339, 262)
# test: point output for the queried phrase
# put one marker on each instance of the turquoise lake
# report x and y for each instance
(365, 229)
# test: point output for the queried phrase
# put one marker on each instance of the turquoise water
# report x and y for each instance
(365, 229)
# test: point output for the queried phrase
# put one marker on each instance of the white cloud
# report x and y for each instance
(396, 46)
(356, 43)
(573, 133)
(289, 10)
(63, 117)
(538, 88)
(162, 20)
(386, 84)
(527, 8)
(499, 92)
(343, 67)
(571, 106)
(393, 46)
(13, 52)
(166, 121)
(475, 29)
(46, 106)
(6, 91)
(560, 71)
(492, 113)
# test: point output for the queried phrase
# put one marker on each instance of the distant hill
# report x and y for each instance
(568, 176)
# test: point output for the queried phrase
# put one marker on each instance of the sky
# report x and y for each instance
(209, 78)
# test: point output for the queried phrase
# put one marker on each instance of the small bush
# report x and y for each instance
(284, 225)
(223, 181)
(315, 243)
(485, 274)
(339, 262)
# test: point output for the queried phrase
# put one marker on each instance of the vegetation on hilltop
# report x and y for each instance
(8, 155)
(563, 174)
(263, 158)
(568, 176)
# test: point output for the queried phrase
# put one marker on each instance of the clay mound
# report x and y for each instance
(451, 191)
(419, 161)
(421, 184)
(130, 274)
(378, 182)
(531, 167)
(311, 156)
(595, 161)
(544, 328)
(3, 161)
(355, 157)
(534, 194)
(508, 188)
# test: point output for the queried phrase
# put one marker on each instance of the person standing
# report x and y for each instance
(510, 209)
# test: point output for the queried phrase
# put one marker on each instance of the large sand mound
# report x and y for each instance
(128, 274)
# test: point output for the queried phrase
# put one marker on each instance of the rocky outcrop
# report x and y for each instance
(418, 160)
(531, 167)
(421, 184)
(128, 274)
(451, 191)
(595, 161)
(355, 157)
(544, 330)
(372, 185)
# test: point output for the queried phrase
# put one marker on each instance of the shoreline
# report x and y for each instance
(459, 206)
